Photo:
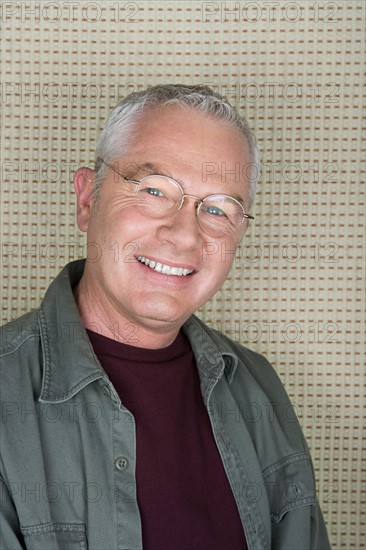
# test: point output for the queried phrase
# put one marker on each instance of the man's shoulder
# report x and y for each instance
(18, 331)
(20, 359)
(253, 373)
(226, 345)
(46, 318)
(261, 397)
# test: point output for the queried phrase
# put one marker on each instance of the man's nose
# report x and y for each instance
(182, 228)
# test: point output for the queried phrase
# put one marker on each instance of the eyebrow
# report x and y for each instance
(149, 168)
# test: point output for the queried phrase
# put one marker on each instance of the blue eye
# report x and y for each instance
(154, 191)
(214, 210)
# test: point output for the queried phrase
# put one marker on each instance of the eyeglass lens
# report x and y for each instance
(160, 196)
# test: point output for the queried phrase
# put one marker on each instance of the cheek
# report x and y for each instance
(217, 268)
(117, 218)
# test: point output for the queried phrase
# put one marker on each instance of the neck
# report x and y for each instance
(104, 319)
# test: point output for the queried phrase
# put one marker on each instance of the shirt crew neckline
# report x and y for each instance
(179, 347)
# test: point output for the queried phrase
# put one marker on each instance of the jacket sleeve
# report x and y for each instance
(296, 532)
(10, 536)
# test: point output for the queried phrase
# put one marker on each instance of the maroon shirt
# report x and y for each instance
(183, 493)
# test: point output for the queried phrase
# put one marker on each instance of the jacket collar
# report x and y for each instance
(69, 362)
(212, 354)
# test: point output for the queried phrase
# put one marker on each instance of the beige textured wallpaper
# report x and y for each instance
(296, 291)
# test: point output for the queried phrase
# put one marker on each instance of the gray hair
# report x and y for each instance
(121, 125)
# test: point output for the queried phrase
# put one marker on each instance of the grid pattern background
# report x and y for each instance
(295, 292)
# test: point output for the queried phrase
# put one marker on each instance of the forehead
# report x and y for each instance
(189, 145)
(174, 124)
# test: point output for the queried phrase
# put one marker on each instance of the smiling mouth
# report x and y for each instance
(163, 268)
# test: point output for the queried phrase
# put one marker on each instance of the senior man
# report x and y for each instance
(123, 415)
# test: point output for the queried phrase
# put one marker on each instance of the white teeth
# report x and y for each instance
(163, 268)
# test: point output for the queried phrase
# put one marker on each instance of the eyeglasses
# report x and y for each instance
(159, 196)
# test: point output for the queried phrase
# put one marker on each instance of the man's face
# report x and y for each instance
(185, 145)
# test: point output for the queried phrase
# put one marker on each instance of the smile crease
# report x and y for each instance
(163, 268)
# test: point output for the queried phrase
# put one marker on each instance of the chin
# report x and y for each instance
(163, 317)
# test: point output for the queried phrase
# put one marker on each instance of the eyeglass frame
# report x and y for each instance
(183, 195)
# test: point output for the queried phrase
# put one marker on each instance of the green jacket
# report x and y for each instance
(67, 447)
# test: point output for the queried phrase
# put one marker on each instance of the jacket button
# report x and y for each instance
(293, 491)
(121, 463)
(106, 391)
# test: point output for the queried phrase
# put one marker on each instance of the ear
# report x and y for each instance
(84, 187)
